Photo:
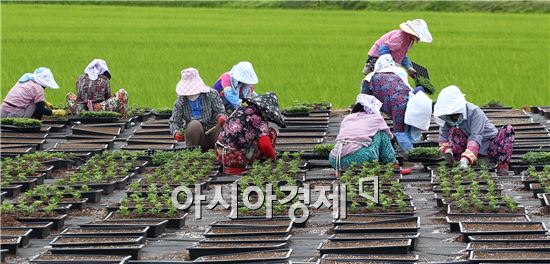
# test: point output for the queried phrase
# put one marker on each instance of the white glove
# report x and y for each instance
(463, 163)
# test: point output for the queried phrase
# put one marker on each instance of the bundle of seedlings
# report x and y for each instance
(164, 111)
(429, 88)
(99, 114)
(323, 149)
(138, 110)
(536, 157)
(423, 153)
(493, 103)
(296, 109)
(21, 122)
(323, 105)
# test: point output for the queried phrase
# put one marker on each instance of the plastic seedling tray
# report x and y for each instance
(156, 227)
(78, 259)
(111, 231)
(58, 221)
(39, 229)
(209, 249)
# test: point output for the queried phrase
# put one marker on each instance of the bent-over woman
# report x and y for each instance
(246, 136)
(364, 136)
(465, 132)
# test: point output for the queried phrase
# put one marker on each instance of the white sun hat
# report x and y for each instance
(43, 76)
(418, 28)
(450, 101)
(95, 68)
(191, 83)
(244, 72)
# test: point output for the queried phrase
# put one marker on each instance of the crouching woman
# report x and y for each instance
(246, 136)
(364, 136)
(198, 112)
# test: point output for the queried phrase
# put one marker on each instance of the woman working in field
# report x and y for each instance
(465, 132)
(397, 43)
(198, 112)
(27, 99)
(94, 91)
(364, 136)
(410, 110)
(246, 136)
(237, 84)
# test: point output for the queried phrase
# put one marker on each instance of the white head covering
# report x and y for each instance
(369, 103)
(43, 76)
(418, 28)
(450, 101)
(95, 68)
(385, 63)
(419, 111)
(191, 83)
(244, 72)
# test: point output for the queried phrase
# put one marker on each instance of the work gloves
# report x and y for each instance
(179, 136)
(59, 113)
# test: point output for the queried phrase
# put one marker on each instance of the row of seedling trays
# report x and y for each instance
(250, 236)
(542, 110)
(45, 208)
(539, 183)
(385, 232)
(122, 233)
(244, 240)
(154, 134)
(495, 226)
(305, 127)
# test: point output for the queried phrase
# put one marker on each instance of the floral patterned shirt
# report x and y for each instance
(243, 128)
(96, 91)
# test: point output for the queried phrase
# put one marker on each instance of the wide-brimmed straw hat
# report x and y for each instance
(191, 83)
(417, 28)
(268, 104)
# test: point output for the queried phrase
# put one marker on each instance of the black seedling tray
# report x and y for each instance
(58, 222)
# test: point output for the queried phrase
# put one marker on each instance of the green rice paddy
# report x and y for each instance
(302, 55)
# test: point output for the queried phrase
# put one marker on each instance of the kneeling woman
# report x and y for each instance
(26, 98)
(364, 136)
(198, 111)
(93, 90)
(246, 136)
(465, 132)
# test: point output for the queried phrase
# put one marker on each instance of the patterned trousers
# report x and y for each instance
(117, 103)
(500, 148)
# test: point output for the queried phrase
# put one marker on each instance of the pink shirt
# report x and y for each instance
(226, 81)
(24, 94)
(358, 127)
(397, 41)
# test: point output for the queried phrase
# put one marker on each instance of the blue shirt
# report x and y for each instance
(196, 108)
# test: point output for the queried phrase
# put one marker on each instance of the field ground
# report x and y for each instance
(303, 55)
